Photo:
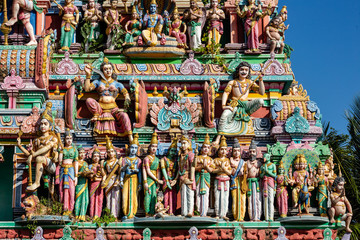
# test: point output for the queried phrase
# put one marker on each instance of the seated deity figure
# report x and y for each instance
(153, 24)
(215, 16)
(176, 29)
(105, 109)
(236, 115)
(132, 28)
(275, 35)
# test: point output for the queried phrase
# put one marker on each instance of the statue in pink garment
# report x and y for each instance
(175, 29)
(108, 117)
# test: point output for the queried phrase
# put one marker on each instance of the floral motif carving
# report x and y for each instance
(273, 66)
(67, 66)
(13, 83)
(191, 66)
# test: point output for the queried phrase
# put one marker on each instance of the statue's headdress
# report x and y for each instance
(135, 140)
(223, 142)
(174, 143)
(153, 2)
(236, 143)
(154, 139)
(207, 140)
(175, 10)
(133, 9)
(252, 145)
(320, 165)
(281, 165)
(283, 10)
(47, 113)
(109, 144)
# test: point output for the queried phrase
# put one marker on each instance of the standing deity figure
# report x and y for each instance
(322, 184)
(130, 180)
(329, 170)
(111, 184)
(82, 187)
(97, 175)
(133, 28)
(275, 35)
(169, 169)
(283, 17)
(105, 109)
(186, 173)
(151, 172)
(112, 19)
(68, 24)
(281, 191)
(67, 173)
(223, 170)
(93, 16)
(196, 19)
(203, 168)
(153, 24)
(167, 23)
(238, 184)
(215, 15)
(176, 29)
(339, 204)
(254, 195)
(235, 119)
(21, 11)
(252, 13)
(268, 175)
(44, 149)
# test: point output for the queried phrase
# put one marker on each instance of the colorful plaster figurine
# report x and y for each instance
(130, 180)
(44, 150)
(252, 13)
(82, 187)
(133, 28)
(322, 184)
(169, 168)
(67, 173)
(281, 191)
(153, 24)
(275, 35)
(21, 10)
(268, 175)
(160, 210)
(215, 15)
(176, 29)
(196, 18)
(111, 184)
(112, 18)
(187, 181)
(254, 195)
(235, 119)
(223, 170)
(167, 23)
(203, 168)
(97, 175)
(68, 24)
(93, 16)
(105, 110)
(329, 170)
(283, 17)
(238, 183)
(339, 204)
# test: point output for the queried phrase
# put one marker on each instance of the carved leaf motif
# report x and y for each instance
(161, 104)
(154, 111)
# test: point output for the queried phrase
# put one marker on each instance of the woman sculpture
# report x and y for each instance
(281, 191)
(321, 182)
(93, 16)
(132, 28)
(130, 180)
(68, 24)
(175, 29)
(67, 173)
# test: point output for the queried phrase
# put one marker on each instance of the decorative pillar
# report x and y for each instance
(12, 84)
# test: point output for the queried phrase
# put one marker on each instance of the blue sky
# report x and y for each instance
(325, 36)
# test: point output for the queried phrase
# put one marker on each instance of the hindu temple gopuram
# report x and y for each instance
(159, 119)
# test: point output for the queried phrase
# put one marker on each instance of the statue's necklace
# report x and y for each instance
(152, 19)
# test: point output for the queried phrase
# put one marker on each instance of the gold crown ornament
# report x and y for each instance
(135, 140)
(133, 9)
(283, 10)
(47, 113)
(154, 139)
(223, 142)
(109, 144)
(281, 165)
(153, 2)
(176, 10)
(207, 140)
(320, 165)
(174, 143)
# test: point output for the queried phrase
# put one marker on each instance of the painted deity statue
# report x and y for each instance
(44, 149)
(195, 17)
(275, 35)
(160, 209)
(203, 168)
(93, 16)
(281, 191)
(130, 180)
(223, 170)
(68, 24)
(82, 187)
(97, 176)
(322, 184)
(105, 110)
(153, 24)
(215, 15)
(132, 28)
(329, 170)
(151, 172)
(235, 118)
(112, 18)
(283, 17)
(21, 11)
(169, 169)
(238, 184)
(340, 204)
(254, 194)
(67, 173)
(167, 23)
(268, 175)
(186, 174)
(112, 167)
(252, 13)
(176, 29)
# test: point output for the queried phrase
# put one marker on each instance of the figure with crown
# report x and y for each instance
(153, 24)
(93, 16)
(322, 184)
(133, 28)
(112, 18)
(281, 191)
(223, 170)
(238, 184)
(169, 169)
(105, 110)
(195, 17)
(268, 175)
(130, 180)
(215, 15)
(176, 32)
